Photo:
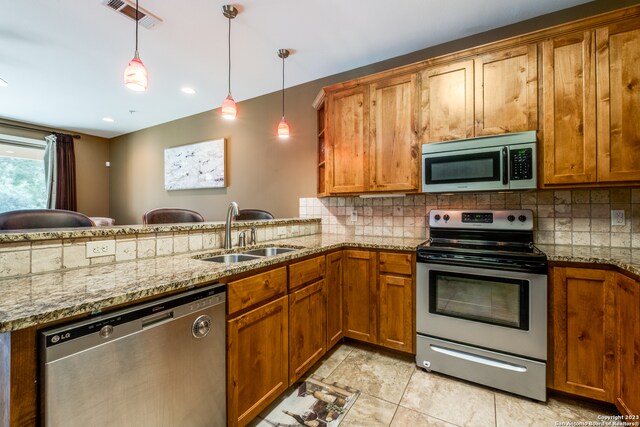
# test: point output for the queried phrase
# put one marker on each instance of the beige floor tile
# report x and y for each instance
(369, 411)
(382, 375)
(406, 417)
(330, 362)
(516, 411)
(450, 400)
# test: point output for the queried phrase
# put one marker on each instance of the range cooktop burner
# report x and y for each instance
(495, 239)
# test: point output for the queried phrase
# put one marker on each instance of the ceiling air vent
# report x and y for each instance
(128, 9)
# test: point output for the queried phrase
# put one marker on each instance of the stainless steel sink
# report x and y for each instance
(269, 251)
(231, 258)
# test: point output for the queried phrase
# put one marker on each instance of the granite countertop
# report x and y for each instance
(37, 299)
(626, 259)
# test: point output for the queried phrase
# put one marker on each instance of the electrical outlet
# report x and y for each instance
(101, 248)
(353, 215)
(617, 217)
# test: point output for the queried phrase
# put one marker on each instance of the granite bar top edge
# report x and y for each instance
(73, 233)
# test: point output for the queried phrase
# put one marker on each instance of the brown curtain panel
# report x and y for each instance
(66, 179)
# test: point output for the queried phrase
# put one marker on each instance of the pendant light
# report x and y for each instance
(135, 75)
(229, 109)
(283, 126)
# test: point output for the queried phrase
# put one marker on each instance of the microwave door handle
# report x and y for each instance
(505, 166)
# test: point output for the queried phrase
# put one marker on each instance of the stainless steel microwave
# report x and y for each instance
(489, 163)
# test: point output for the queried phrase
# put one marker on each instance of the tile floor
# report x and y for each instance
(396, 393)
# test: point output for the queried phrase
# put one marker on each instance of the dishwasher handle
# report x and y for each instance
(157, 319)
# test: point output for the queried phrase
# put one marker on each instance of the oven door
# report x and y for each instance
(494, 309)
(480, 169)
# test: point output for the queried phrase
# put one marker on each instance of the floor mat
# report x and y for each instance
(311, 402)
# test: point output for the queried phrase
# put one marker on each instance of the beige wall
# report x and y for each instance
(264, 172)
(92, 176)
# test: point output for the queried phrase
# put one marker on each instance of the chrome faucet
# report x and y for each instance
(231, 212)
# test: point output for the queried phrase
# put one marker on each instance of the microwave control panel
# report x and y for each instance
(521, 161)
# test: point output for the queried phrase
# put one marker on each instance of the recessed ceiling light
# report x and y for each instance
(188, 90)
(3, 83)
(9, 151)
(108, 119)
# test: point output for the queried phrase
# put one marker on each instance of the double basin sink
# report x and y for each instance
(249, 255)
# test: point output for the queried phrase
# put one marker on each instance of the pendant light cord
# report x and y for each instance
(229, 50)
(283, 86)
(137, 17)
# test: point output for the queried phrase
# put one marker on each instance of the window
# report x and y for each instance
(22, 178)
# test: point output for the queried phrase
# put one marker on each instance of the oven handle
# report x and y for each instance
(478, 359)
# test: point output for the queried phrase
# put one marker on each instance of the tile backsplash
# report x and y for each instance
(578, 217)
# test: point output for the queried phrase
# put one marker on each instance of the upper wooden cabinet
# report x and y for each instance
(446, 96)
(618, 65)
(506, 85)
(569, 73)
(347, 150)
(394, 155)
(591, 96)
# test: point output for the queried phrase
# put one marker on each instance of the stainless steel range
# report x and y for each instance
(481, 291)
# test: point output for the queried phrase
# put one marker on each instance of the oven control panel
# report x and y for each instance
(517, 219)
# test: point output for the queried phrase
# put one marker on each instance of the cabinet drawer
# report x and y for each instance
(397, 263)
(255, 289)
(306, 271)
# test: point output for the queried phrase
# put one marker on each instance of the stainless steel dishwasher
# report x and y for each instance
(156, 364)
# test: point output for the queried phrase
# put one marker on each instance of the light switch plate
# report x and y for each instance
(101, 248)
(617, 217)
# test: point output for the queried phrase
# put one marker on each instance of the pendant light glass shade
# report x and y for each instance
(229, 109)
(283, 129)
(283, 126)
(135, 75)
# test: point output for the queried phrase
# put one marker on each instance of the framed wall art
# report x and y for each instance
(193, 166)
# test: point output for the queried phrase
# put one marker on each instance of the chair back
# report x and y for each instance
(248, 214)
(171, 216)
(26, 219)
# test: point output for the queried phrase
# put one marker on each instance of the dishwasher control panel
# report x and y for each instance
(149, 313)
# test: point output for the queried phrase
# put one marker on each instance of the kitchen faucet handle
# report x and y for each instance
(242, 239)
(254, 240)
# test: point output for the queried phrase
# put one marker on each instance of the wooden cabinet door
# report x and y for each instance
(396, 301)
(618, 53)
(569, 105)
(397, 315)
(446, 102)
(360, 295)
(628, 310)
(335, 328)
(348, 148)
(506, 91)
(307, 328)
(584, 341)
(257, 360)
(394, 156)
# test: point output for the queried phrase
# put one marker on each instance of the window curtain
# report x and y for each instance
(50, 172)
(60, 170)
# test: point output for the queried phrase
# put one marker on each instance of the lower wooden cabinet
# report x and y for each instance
(360, 296)
(584, 332)
(257, 360)
(396, 301)
(307, 320)
(335, 329)
(628, 311)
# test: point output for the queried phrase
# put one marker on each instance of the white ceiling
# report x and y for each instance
(64, 59)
